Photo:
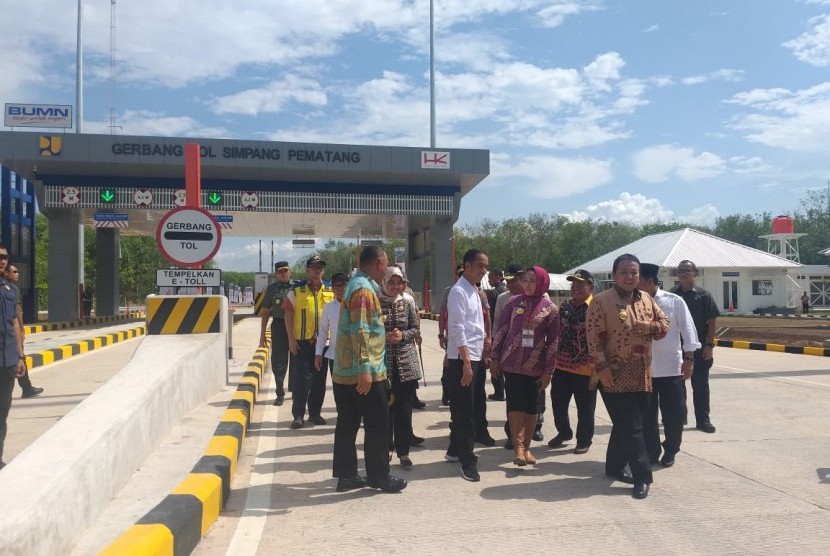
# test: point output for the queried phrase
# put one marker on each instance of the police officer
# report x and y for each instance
(12, 274)
(272, 306)
(12, 361)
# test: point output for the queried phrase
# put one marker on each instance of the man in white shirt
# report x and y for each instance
(673, 363)
(327, 331)
(465, 349)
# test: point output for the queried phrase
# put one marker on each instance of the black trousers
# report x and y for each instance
(565, 385)
(279, 354)
(309, 383)
(627, 445)
(480, 399)
(498, 385)
(373, 409)
(667, 397)
(400, 415)
(462, 411)
(6, 387)
(700, 387)
(25, 382)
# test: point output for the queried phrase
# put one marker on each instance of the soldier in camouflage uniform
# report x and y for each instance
(275, 295)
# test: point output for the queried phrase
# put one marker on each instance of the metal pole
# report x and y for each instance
(431, 76)
(79, 71)
(272, 256)
(260, 255)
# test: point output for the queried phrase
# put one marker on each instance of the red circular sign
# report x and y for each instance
(188, 236)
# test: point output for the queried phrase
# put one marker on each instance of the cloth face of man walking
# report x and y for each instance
(573, 368)
(272, 307)
(303, 310)
(621, 324)
(705, 313)
(672, 363)
(465, 348)
(359, 380)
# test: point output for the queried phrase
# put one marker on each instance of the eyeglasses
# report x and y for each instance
(4, 257)
(685, 270)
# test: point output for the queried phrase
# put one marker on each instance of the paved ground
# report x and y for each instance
(760, 485)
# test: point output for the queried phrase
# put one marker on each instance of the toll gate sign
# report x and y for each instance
(188, 236)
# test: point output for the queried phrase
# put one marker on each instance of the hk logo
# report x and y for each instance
(50, 145)
(435, 160)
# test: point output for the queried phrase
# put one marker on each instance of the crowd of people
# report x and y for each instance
(634, 343)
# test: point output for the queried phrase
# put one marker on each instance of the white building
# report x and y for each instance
(740, 278)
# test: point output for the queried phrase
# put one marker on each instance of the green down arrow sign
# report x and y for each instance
(214, 198)
(107, 195)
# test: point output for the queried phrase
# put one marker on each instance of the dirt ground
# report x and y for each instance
(791, 331)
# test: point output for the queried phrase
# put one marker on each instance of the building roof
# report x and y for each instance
(706, 251)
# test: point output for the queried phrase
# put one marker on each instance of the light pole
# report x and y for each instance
(79, 71)
(431, 75)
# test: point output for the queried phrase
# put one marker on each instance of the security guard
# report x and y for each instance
(303, 309)
(11, 348)
(272, 306)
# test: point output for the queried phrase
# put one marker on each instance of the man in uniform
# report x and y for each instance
(12, 275)
(272, 306)
(12, 361)
(303, 309)
(705, 314)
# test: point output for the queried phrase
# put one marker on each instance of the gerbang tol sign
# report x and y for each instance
(37, 115)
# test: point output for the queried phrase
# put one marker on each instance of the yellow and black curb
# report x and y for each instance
(176, 525)
(51, 326)
(758, 346)
(429, 316)
(184, 315)
(68, 350)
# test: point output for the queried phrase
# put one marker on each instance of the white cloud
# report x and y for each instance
(660, 163)
(813, 46)
(143, 122)
(636, 209)
(550, 177)
(555, 14)
(639, 209)
(791, 120)
(652, 29)
(718, 75)
(272, 98)
(748, 164)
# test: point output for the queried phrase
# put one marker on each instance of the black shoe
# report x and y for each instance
(469, 472)
(32, 392)
(351, 483)
(445, 402)
(622, 476)
(667, 460)
(706, 427)
(538, 436)
(486, 440)
(654, 460)
(508, 445)
(416, 441)
(280, 400)
(639, 491)
(496, 397)
(317, 420)
(389, 484)
(418, 404)
(558, 440)
(297, 424)
(582, 448)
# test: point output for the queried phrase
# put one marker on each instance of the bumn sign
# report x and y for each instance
(188, 236)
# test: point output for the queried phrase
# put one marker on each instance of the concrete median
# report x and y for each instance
(57, 486)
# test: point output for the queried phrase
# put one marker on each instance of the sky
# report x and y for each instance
(636, 110)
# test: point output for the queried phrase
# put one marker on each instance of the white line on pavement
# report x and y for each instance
(248, 534)
(770, 374)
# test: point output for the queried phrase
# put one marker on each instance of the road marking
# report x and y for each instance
(249, 530)
(769, 374)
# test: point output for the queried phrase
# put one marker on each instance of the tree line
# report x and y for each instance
(552, 241)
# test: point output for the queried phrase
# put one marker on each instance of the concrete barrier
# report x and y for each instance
(53, 490)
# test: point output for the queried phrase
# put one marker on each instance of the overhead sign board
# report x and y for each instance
(303, 242)
(111, 220)
(37, 115)
(188, 236)
(143, 197)
(70, 195)
(189, 277)
(249, 200)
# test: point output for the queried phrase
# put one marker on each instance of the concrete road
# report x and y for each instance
(760, 485)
